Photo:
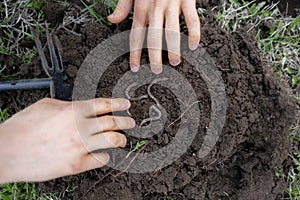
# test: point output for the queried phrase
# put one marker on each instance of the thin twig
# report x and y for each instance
(136, 155)
(189, 107)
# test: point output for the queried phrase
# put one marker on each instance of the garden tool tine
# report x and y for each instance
(41, 53)
(58, 46)
(53, 56)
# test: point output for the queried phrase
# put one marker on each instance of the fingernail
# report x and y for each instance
(126, 104)
(174, 62)
(124, 142)
(105, 158)
(157, 70)
(112, 15)
(132, 123)
(194, 46)
(134, 68)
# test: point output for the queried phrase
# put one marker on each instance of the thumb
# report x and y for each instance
(121, 12)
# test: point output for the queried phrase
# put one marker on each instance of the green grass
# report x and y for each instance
(20, 191)
(3, 115)
(293, 176)
(109, 5)
(17, 191)
(279, 44)
(97, 17)
(29, 191)
(167, 197)
(138, 145)
(228, 196)
(18, 17)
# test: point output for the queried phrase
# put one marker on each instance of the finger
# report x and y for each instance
(101, 106)
(137, 34)
(121, 12)
(89, 162)
(137, 37)
(105, 140)
(192, 22)
(173, 34)
(154, 40)
(109, 123)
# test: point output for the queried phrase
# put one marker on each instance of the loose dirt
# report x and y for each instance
(254, 141)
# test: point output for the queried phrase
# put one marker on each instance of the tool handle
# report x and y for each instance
(27, 84)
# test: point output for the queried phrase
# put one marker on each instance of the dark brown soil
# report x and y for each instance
(254, 141)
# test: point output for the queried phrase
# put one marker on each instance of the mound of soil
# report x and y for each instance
(253, 143)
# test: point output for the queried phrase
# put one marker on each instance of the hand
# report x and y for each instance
(43, 142)
(156, 13)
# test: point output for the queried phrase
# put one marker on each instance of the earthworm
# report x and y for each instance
(127, 90)
(140, 97)
(156, 107)
(153, 107)
(156, 101)
(149, 90)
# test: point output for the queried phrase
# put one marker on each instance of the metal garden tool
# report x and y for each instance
(56, 73)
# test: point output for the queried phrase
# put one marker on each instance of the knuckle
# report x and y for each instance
(155, 3)
(105, 104)
(119, 8)
(173, 28)
(112, 122)
(140, 9)
(134, 57)
(115, 138)
(193, 20)
(172, 10)
(194, 33)
(156, 17)
(194, 36)
(67, 107)
(138, 23)
(155, 21)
